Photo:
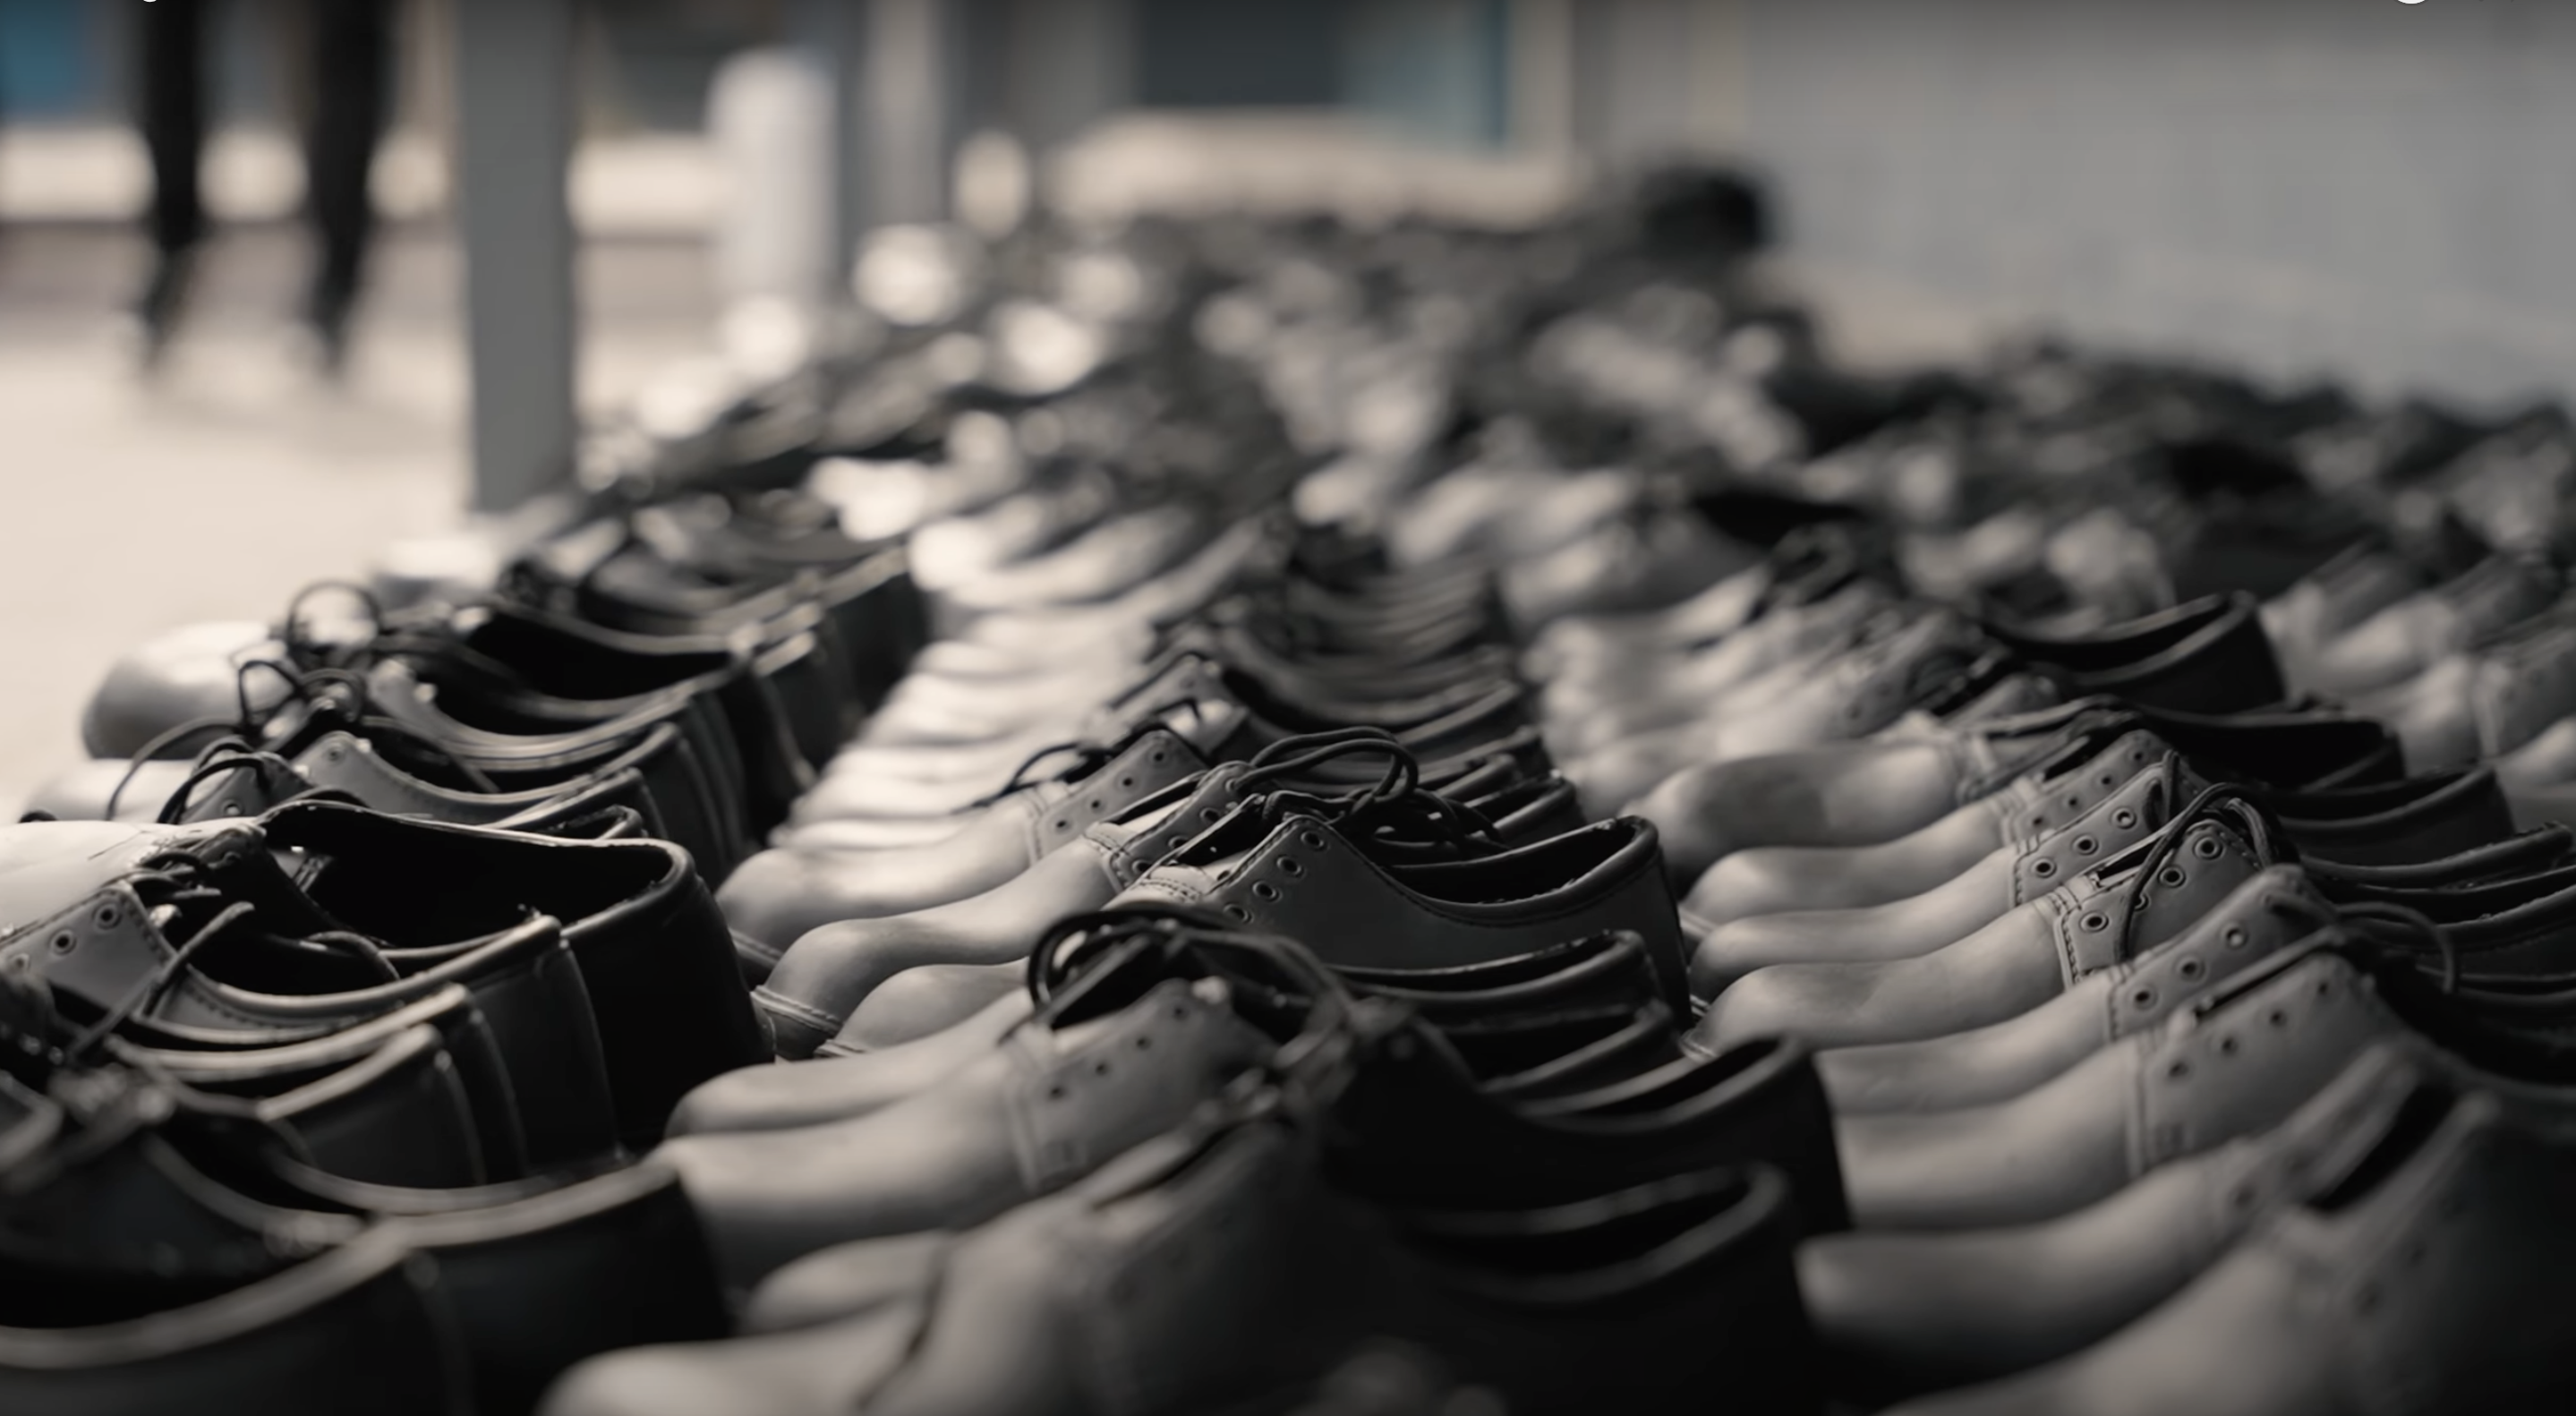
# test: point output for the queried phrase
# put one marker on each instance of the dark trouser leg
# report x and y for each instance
(171, 86)
(353, 63)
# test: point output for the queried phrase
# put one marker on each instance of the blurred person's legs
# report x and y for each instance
(171, 92)
(352, 71)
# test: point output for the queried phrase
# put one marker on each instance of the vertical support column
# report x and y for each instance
(514, 132)
(909, 101)
(834, 32)
(1542, 75)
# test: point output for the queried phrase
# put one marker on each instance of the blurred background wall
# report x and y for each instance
(2385, 190)
(2370, 188)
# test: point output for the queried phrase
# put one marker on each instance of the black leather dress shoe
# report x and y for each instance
(1606, 973)
(1556, 1307)
(820, 981)
(1275, 866)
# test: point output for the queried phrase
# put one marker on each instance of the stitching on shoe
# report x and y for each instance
(791, 1008)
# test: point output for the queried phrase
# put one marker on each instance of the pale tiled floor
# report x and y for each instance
(219, 489)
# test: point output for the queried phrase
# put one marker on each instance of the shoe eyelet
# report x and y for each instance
(1314, 839)
(1210, 812)
(2190, 969)
(2227, 1047)
(2043, 867)
(1126, 781)
(2234, 938)
(2278, 1018)
(2124, 818)
(2086, 845)
(2095, 922)
(2143, 997)
(107, 916)
(1238, 914)
(1100, 1069)
(2172, 877)
(1055, 1093)
(65, 942)
(1154, 757)
(1063, 825)
(2039, 818)
(1264, 891)
(1144, 1044)
(2207, 848)
(2108, 780)
(1095, 803)
(2074, 803)
(2177, 1071)
(2138, 756)
(1288, 866)
(2324, 987)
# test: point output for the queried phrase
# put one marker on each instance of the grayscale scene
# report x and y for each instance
(1287, 708)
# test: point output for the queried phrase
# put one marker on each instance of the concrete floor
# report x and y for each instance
(217, 489)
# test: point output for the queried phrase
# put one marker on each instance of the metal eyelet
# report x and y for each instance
(1313, 839)
(1210, 812)
(2109, 781)
(1095, 803)
(2124, 818)
(2234, 938)
(1126, 781)
(65, 942)
(2086, 845)
(2278, 1018)
(1288, 866)
(2172, 877)
(2177, 1071)
(2227, 1046)
(2143, 997)
(1063, 825)
(1154, 757)
(2207, 848)
(2189, 968)
(2074, 803)
(1238, 914)
(107, 916)
(2043, 867)
(1264, 891)
(2095, 922)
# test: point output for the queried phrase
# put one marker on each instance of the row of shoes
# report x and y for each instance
(2018, 889)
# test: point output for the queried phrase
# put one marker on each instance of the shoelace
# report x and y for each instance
(333, 695)
(2225, 802)
(1089, 754)
(178, 879)
(2387, 926)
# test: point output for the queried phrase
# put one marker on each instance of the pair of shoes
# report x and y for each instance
(556, 997)
(1482, 807)
(166, 1244)
(1790, 906)
(2339, 1161)
(1249, 1244)
(696, 689)
(1118, 1043)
